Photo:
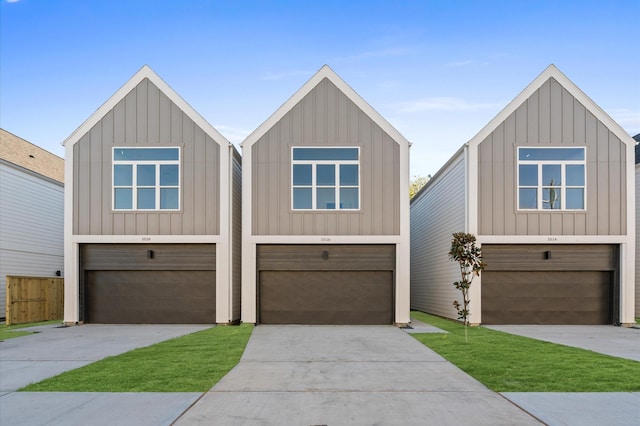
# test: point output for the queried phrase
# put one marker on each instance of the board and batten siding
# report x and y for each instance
(436, 214)
(552, 117)
(325, 117)
(146, 117)
(236, 234)
(31, 226)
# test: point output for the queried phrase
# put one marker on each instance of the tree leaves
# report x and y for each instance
(469, 257)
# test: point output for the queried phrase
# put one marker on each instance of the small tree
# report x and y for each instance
(469, 257)
(416, 184)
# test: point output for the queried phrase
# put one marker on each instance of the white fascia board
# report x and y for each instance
(148, 239)
(552, 72)
(328, 73)
(145, 72)
(325, 239)
(554, 239)
(24, 170)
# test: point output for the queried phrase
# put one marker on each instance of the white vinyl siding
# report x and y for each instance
(438, 212)
(236, 236)
(31, 226)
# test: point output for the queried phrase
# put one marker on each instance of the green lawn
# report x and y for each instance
(191, 363)
(6, 331)
(508, 363)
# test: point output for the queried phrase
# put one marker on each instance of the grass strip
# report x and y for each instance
(191, 363)
(7, 331)
(508, 363)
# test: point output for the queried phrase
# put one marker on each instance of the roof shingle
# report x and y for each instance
(29, 156)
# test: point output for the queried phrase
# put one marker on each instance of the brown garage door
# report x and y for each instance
(149, 283)
(321, 284)
(548, 284)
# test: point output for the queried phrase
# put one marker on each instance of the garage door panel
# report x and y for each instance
(148, 257)
(557, 285)
(324, 317)
(547, 317)
(331, 257)
(550, 297)
(149, 283)
(551, 277)
(326, 297)
(542, 303)
(550, 257)
(152, 297)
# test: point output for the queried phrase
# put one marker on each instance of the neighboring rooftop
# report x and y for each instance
(637, 139)
(29, 156)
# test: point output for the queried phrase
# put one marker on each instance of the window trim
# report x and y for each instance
(336, 186)
(540, 185)
(134, 172)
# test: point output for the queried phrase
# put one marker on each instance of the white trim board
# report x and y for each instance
(148, 239)
(324, 239)
(553, 239)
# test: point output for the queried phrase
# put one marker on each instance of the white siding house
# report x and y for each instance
(32, 213)
(548, 189)
(435, 215)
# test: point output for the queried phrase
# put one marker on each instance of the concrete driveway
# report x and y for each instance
(337, 375)
(615, 408)
(53, 350)
(311, 375)
(605, 339)
(56, 349)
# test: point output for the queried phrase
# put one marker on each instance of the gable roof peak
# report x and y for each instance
(145, 72)
(324, 72)
(550, 72)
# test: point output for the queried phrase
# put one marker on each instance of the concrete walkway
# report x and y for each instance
(605, 339)
(347, 375)
(581, 409)
(93, 408)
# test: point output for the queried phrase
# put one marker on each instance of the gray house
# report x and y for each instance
(325, 212)
(31, 217)
(152, 223)
(548, 189)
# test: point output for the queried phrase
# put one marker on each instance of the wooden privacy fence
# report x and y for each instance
(31, 299)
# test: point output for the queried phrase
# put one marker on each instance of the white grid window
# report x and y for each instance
(325, 178)
(551, 178)
(146, 178)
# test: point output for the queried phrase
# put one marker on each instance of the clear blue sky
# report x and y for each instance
(438, 70)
